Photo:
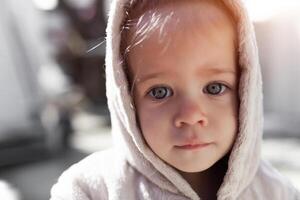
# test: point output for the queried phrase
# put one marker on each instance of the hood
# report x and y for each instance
(245, 155)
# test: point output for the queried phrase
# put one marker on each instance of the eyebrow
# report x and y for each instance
(218, 71)
(150, 76)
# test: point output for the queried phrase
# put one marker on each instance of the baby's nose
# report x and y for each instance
(190, 113)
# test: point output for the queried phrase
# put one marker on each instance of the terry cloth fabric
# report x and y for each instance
(131, 171)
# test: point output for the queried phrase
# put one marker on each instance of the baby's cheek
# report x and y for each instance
(144, 114)
(227, 105)
(151, 118)
(153, 121)
(151, 129)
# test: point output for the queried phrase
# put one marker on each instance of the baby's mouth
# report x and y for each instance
(192, 146)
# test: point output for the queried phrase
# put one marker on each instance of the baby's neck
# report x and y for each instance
(207, 183)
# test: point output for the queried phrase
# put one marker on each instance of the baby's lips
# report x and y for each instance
(193, 141)
(192, 145)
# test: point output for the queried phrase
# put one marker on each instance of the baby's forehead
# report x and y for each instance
(180, 15)
(169, 27)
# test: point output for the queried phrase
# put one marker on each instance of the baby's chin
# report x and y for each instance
(192, 166)
(202, 166)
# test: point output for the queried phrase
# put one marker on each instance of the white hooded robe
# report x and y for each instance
(131, 171)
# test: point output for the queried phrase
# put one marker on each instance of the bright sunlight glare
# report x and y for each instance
(262, 10)
(45, 4)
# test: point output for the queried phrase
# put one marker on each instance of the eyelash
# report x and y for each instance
(170, 92)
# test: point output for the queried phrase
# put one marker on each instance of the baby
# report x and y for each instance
(184, 92)
(182, 65)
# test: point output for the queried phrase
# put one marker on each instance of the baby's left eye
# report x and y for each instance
(215, 88)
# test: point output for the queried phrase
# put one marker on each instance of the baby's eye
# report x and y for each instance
(160, 92)
(215, 88)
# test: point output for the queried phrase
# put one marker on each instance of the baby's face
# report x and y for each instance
(185, 88)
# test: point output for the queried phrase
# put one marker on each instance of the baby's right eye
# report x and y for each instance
(160, 92)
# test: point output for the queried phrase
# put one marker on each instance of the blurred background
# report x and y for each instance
(52, 91)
